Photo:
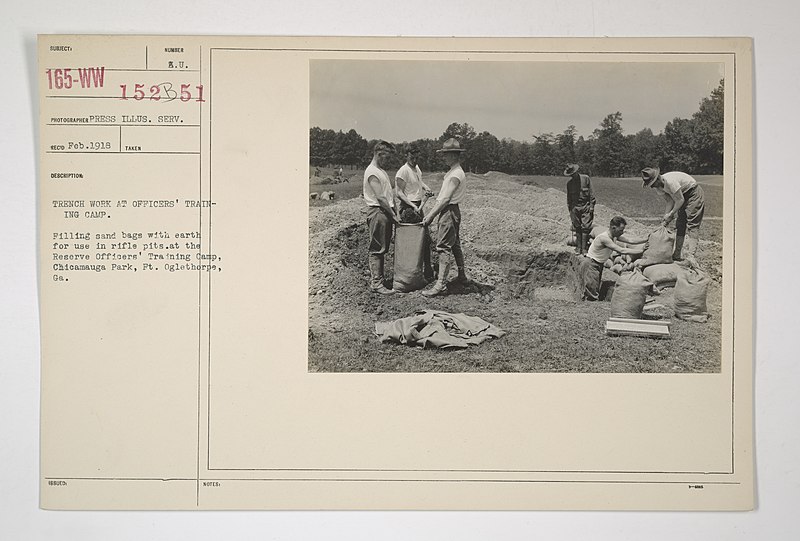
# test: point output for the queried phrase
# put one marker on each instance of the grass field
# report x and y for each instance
(511, 224)
(623, 194)
(628, 196)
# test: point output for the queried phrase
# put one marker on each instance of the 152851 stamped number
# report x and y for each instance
(162, 92)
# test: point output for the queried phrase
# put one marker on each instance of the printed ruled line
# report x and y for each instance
(114, 98)
(479, 51)
(165, 479)
(389, 480)
(119, 152)
(176, 70)
(199, 299)
(159, 126)
(423, 470)
(171, 126)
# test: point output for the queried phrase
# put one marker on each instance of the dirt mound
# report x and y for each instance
(511, 234)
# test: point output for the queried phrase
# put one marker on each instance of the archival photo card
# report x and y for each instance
(382, 273)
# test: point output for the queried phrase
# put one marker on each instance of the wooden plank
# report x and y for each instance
(656, 322)
(635, 326)
(634, 329)
(637, 334)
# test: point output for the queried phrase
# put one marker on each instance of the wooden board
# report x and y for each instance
(620, 328)
(657, 322)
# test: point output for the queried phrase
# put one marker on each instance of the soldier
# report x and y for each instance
(453, 191)
(600, 250)
(409, 186)
(580, 202)
(381, 215)
(685, 199)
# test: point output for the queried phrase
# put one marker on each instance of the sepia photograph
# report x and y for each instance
(516, 216)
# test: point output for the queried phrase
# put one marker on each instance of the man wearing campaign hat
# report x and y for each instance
(685, 199)
(580, 202)
(448, 212)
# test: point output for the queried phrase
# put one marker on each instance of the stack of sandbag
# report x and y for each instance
(658, 248)
(691, 290)
(663, 274)
(630, 294)
(619, 263)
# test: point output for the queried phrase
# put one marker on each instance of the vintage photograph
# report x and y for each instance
(516, 216)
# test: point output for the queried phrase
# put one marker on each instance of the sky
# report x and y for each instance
(401, 100)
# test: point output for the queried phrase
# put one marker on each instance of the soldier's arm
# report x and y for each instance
(446, 196)
(375, 184)
(674, 203)
(619, 249)
(400, 190)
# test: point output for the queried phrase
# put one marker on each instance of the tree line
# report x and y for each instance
(693, 145)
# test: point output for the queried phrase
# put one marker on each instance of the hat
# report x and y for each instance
(451, 145)
(571, 169)
(649, 176)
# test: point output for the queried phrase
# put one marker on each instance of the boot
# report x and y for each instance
(578, 241)
(676, 254)
(689, 251)
(376, 275)
(427, 268)
(585, 246)
(441, 283)
(458, 255)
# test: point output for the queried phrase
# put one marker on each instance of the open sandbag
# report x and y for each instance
(630, 294)
(658, 248)
(409, 257)
(663, 274)
(691, 290)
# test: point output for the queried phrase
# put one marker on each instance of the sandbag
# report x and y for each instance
(658, 248)
(630, 294)
(691, 290)
(410, 243)
(663, 274)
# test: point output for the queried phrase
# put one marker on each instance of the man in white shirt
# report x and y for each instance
(591, 268)
(381, 215)
(447, 210)
(685, 199)
(412, 193)
(408, 183)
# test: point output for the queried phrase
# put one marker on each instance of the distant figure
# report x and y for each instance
(382, 216)
(684, 198)
(453, 191)
(316, 171)
(580, 202)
